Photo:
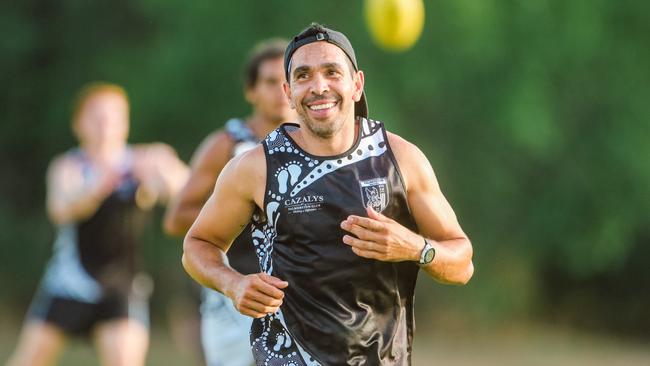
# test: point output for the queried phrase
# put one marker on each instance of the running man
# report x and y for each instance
(345, 215)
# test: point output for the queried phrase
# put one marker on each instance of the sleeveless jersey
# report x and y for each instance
(339, 308)
(241, 255)
(97, 255)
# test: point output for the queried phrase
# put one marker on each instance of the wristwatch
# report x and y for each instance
(427, 254)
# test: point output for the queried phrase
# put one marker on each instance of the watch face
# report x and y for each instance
(428, 256)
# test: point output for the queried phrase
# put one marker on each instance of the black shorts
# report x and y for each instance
(79, 318)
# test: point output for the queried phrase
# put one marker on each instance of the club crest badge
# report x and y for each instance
(374, 193)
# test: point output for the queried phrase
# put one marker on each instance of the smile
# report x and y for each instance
(318, 107)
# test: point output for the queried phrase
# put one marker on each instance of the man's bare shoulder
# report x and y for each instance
(404, 149)
(251, 163)
(246, 174)
(413, 164)
(63, 162)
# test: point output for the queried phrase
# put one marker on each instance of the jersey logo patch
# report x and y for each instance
(374, 193)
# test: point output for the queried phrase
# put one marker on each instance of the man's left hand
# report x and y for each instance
(381, 238)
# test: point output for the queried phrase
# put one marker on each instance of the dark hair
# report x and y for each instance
(311, 30)
(263, 51)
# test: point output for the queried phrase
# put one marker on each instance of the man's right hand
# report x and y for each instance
(258, 294)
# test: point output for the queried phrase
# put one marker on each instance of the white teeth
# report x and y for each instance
(321, 106)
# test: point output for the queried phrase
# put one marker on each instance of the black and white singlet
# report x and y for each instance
(92, 274)
(339, 308)
(98, 254)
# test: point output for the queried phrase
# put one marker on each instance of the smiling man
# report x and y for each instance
(345, 214)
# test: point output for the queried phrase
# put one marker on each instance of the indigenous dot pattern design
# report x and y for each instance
(271, 340)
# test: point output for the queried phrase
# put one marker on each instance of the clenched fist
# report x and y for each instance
(258, 294)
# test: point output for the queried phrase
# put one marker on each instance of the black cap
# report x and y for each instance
(318, 33)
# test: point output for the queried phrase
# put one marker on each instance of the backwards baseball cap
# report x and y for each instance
(317, 33)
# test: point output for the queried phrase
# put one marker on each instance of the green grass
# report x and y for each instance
(528, 346)
(166, 348)
(518, 346)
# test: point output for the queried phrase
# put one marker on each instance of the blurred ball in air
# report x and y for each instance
(395, 25)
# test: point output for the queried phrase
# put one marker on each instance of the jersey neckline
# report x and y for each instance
(358, 126)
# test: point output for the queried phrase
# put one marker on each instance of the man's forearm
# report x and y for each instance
(207, 264)
(452, 263)
(80, 206)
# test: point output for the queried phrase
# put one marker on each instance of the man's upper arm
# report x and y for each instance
(233, 200)
(63, 181)
(432, 213)
(206, 164)
(208, 161)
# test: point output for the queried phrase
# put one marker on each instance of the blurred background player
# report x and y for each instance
(99, 195)
(224, 331)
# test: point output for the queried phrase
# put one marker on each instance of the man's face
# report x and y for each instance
(323, 87)
(103, 120)
(266, 96)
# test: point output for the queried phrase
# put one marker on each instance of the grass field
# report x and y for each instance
(529, 346)
(523, 346)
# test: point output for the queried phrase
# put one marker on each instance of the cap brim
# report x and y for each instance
(361, 107)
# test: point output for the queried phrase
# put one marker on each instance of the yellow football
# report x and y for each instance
(395, 24)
